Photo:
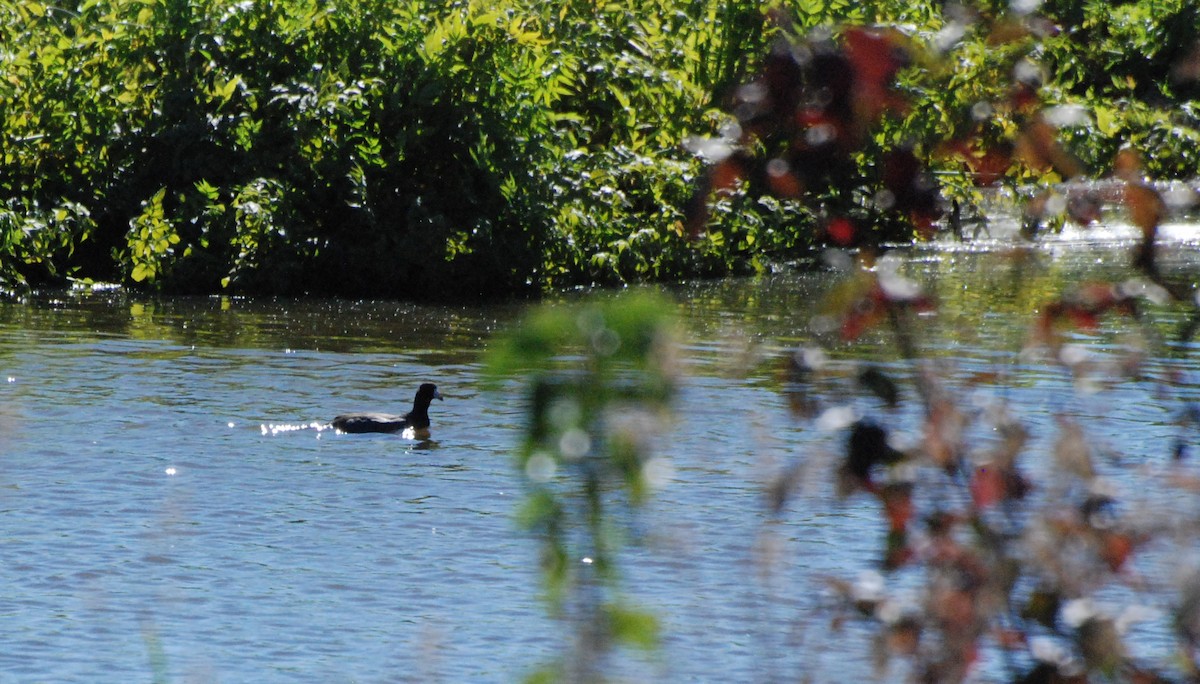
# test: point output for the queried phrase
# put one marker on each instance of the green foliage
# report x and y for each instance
(152, 239)
(36, 239)
(1133, 49)
(600, 379)
(423, 149)
(407, 149)
(1133, 65)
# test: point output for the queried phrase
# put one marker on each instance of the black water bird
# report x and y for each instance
(416, 420)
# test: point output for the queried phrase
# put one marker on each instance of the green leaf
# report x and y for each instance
(1107, 121)
(226, 90)
(635, 628)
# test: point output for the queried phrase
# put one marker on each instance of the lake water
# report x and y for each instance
(172, 510)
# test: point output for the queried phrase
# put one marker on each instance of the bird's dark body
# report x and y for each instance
(416, 420)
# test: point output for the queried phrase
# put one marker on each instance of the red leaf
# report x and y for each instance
(1084, 209)
(841, 231)
(988, 164)
(783, 181)
(897, 505)
(1010, 639)
(1115, 549)
(1146, 207)
(863, 317)
(987, 486)
(991, 165)
(1037, 145)
(725, 175)
(876, 57)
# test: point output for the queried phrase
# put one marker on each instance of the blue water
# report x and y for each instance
(171, 508)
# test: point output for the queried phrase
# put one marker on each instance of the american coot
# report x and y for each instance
(415, 421)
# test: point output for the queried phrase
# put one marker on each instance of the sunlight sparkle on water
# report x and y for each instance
(275, 429)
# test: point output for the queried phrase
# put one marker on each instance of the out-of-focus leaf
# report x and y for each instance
(1084, 208)
(1146, 207)
(898, 505)
(1072, 452)
(867, 448)
(842, 231)
(798, 371)
(1100, 644)
(911, 191)
(904, 636)
(1038, 147)
(987, 486)
(1042, 607)
(897, 551)
(633, 627)
(880, 384)
(875, 56)
(780, 489)
(1116, 548)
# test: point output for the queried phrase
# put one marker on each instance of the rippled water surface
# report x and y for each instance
(171, 508)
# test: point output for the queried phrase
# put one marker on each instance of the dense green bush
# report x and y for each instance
(1136, 67)
(280, 146)
(426, 149)
(410, 149)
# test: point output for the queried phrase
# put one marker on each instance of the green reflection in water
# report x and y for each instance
(986, 300)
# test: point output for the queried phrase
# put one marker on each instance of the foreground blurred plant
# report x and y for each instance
(1007, 562)
(1003, 561)
(599, 379)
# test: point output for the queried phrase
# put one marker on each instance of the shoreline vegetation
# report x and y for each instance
(425, 150)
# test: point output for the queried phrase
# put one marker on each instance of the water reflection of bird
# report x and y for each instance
(414, 424)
